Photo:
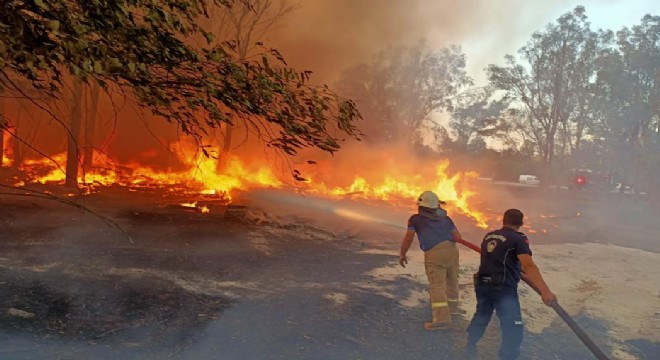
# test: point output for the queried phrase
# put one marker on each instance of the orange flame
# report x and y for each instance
(7, 150)
(202, 177)
(235, 176)
(389, 188)
(193, 205)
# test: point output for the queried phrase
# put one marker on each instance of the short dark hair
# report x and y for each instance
(513, 217)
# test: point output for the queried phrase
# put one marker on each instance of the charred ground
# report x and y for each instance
(236, 284)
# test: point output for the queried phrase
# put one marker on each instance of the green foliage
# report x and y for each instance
(402, 86)
(477, 115)
(627, 99)
(591, 99)
(628, 86)
(548, 83)
(143, 49)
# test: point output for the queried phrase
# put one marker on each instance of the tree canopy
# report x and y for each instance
(626, 98)
(475, 116)
(549, 84)
(590, 98)
(403, 86)
(147, 50)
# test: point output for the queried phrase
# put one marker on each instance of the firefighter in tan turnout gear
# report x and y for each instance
(436, 233)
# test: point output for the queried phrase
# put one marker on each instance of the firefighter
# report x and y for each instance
(435, 232)
(504, 254)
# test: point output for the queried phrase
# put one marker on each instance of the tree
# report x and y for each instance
(73, 152)
(23, 129)
(403, 86)
(144, 50)
(247, 22)
(90, 126)
(2, 130)
(476, 115)
(627, 93)
(242, 24)
(548, 87)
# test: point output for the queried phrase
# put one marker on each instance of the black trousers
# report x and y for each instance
(503, 299)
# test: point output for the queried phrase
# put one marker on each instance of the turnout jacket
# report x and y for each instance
(432, 226)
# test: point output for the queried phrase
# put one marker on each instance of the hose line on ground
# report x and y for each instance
(586, 340)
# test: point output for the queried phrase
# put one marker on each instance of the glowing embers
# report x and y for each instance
(193, 205)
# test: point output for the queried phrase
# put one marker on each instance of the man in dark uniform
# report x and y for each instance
(504, 253)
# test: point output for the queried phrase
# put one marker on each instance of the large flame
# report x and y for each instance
(402, 188)
(202, 176)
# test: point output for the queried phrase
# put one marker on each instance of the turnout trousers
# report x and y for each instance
(503, 299)
(441, 265)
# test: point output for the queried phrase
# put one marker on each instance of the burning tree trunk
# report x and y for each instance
(223, 157)
(243, 24)
(73, 154)
(2, 131)
(16, 146)
(2, 146)
(90, 127)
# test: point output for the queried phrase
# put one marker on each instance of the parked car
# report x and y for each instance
(528, 180)
(627, 189)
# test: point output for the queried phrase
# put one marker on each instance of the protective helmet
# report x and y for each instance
(428, 199)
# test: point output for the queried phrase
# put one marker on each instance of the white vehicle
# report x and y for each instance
(628, 189)
(528, 180)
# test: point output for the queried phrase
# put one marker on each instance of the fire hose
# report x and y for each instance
(586, 340)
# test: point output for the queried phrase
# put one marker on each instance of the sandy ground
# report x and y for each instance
(580, 238)
(276, 282)
(624, 295)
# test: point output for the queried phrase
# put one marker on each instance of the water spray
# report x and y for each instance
(354, 215)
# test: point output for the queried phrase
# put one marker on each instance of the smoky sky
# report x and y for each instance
(327, 36)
